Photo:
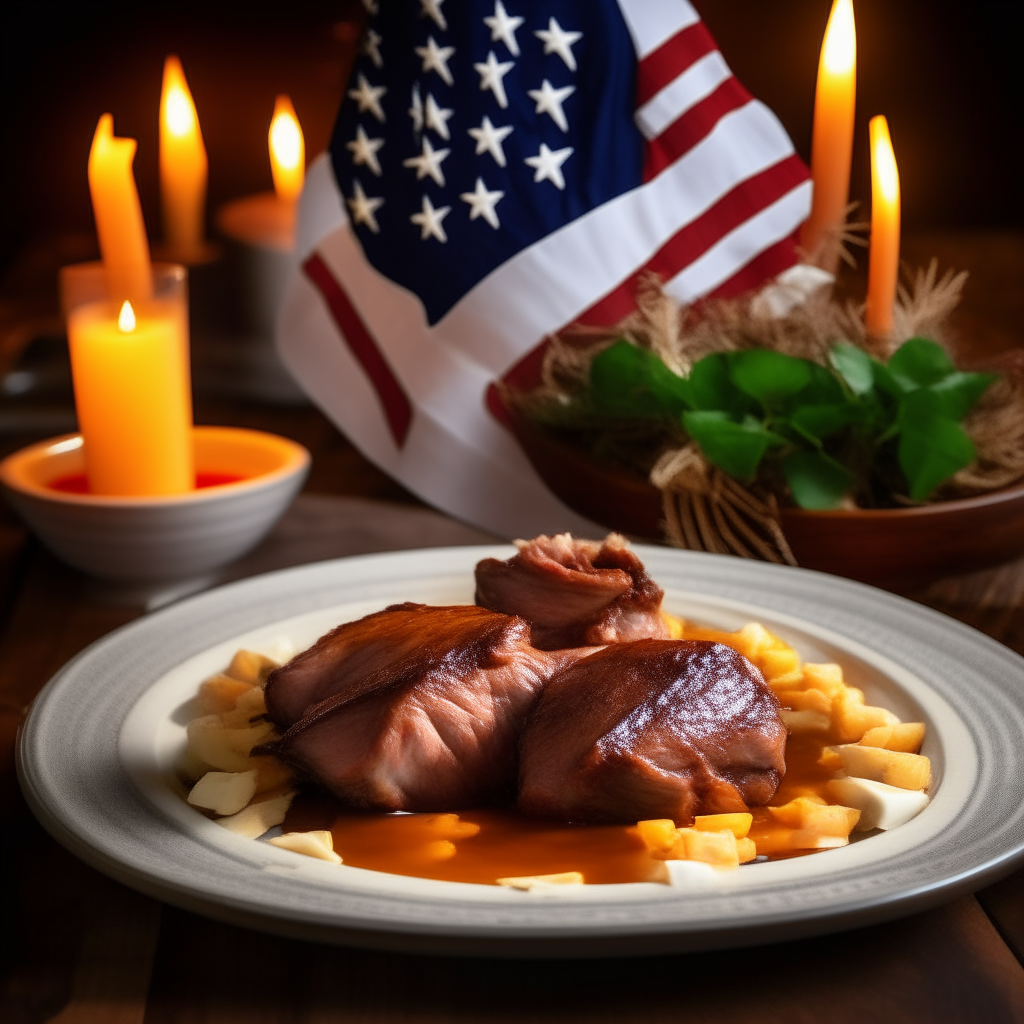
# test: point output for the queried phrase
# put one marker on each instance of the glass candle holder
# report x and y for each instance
(130, 367)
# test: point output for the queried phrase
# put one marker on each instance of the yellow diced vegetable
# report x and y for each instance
(676, 626)
(852, 717)
(893, 767)
(906, 737)
(223, 792)
(827, 678)
(527, 882)
(715, 848)
(250, 667)
(658, 834)
(814, 815)
(318, 844)
(737, 822)
(746, 850)
(805, 721)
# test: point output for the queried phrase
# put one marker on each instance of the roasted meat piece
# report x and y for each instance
(574, 592)
(414, 708)
(652, 729)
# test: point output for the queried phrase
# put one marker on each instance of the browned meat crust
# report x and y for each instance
(652, 729)
(574, 592)
(415, 708)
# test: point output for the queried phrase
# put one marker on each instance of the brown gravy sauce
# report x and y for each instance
(484, 845)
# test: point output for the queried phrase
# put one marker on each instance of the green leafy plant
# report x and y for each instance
(857, 427)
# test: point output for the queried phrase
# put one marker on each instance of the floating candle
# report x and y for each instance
(832, 146)
(119, 224)
(884, 256)
(183, 166)
(132, 397)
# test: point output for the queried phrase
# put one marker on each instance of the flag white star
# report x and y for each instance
(504, 27)
(491, 75)
(428, 162)
(489, 139)
(364, 207)
(416, 110)
(437, 117)
(557, 40)
(364, 150)
(435, 58)
(371, 47)
(548, 165)
(368, 97)
(429, 220)
(482, 203)
(550, 100)
(432, 9)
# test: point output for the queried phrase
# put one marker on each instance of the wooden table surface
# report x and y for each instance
(78, 947)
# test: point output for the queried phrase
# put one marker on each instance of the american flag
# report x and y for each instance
(500, 169)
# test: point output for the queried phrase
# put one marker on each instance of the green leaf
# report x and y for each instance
(631, 382)
(854, 365)
(932, 446)
(824, 388)
(711, 387)
(959, 391)
(920, 362)
(735, 448)
(817, 481)
(768, 376)
(824, 420)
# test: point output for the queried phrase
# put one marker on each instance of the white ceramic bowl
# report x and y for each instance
(158, 540)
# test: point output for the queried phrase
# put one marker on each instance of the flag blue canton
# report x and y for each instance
(471, 130)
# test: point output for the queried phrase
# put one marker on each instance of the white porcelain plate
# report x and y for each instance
(97, 751)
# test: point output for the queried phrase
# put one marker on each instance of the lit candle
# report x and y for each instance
(132, 397)
(287, 151)
(119, 224)
(832, 145)
(183, 166)
(884, 256)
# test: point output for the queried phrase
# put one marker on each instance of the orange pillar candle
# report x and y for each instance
(287, 151)
(884, 255)
(132, 397)
(183, 166)
(119, 224)
(832, 145)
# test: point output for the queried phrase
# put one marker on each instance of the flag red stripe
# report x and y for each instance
(748, 198)
(665, 64)
(696, 124)
(356, 335)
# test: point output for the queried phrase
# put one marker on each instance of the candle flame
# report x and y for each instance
(177, 110)
(126, 318)
(287, 151)
(885, 176)
(839, 50)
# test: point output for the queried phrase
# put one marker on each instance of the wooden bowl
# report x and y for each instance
(899, 549)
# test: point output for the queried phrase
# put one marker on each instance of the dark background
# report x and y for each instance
(944, 74)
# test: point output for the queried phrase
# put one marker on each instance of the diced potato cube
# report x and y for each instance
(827, 678)
(752, 639)
(250, 667)
(658, 834)
(746, 850)
(810, 815)
(778, 662)
(223, 792)
(318, 844)
(808, 700)
(688, 874)
(448, 826)
(787, 840)
(226, 749)
(676, 626)
(787, 682)
(893, 767)
(261, 815)
(715, 848)
(904, 736)
(438, 849)
(249, 705)
(737, 822)
(527, 882)
(880, 806)
(805, 721)
(852, 717)
(219, 693)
